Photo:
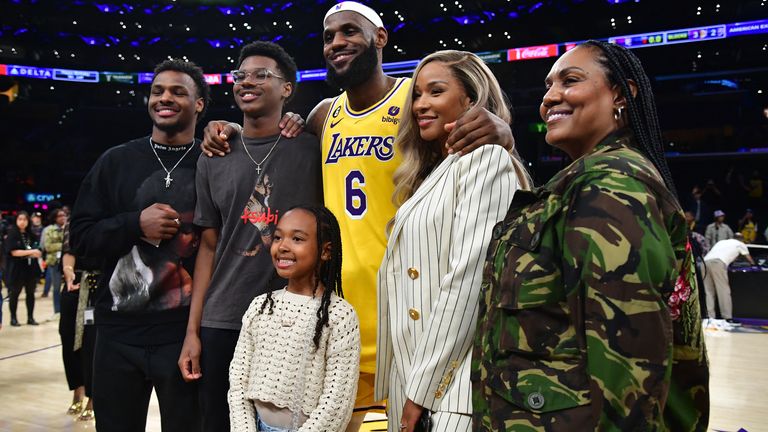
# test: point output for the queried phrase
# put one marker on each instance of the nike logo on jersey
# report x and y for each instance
(383, 148)
(333, 124)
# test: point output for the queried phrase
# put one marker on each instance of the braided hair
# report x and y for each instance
(621, 65)
(327, 272)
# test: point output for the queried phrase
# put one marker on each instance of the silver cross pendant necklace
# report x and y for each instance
(258, 164)
(168, 179)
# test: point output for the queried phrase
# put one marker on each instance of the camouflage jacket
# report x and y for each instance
(576, 328)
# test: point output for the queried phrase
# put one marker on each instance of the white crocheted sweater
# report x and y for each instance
(275, 359)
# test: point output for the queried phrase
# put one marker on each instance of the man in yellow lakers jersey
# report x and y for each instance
(357, 131)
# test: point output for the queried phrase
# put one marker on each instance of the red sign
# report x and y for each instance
(533, 52)
(3, 70)
(230, 80)
(212, 79)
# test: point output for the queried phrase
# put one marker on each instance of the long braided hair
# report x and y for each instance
(327, 272)
(621, 65)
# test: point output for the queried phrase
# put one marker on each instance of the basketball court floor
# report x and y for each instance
(34, 394)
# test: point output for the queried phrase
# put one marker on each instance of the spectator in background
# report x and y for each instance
(46, 272)
(748, 227)
(718, 230)
(716, 283)
(53, 237)
(36, 227)
(698, 208)
(699, 247)
(22, 271)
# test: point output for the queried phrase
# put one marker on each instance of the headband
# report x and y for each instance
(356, 7)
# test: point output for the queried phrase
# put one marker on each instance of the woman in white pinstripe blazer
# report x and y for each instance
(430, 276)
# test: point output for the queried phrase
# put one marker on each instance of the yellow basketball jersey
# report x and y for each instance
(359, 159)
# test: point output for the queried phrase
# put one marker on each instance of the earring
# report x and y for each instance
(617, 113)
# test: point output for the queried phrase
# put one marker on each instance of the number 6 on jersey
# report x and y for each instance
(356, 201)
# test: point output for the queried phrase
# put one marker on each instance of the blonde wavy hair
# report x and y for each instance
(420, 158)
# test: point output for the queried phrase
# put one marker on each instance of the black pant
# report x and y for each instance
(218, 347)
(124, 376)
(86, 357)
(73, 366)
(14, 289)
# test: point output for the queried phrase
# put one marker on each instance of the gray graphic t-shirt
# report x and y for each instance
(245, 204)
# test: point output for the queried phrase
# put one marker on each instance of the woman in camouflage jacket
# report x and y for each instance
(589, 316)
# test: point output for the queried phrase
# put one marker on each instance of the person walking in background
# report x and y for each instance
(22, 269)
(716, 283)
(718, 230)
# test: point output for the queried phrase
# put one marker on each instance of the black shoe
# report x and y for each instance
(44, 296)
(32, 321)
(15, 322)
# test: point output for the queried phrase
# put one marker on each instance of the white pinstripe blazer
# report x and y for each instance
(429, 280)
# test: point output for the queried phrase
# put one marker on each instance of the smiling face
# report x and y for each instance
(579, 103)
(438, 98)
(258, 99)
(294, 246)
(351, 47)
(174, 101)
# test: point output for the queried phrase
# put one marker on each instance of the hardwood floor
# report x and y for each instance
(34, 394)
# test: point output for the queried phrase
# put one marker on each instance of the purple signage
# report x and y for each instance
(30, 72)
(75, 75)
(146, 77)
(747, 28)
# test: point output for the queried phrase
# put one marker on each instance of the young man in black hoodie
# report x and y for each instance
(135, 210)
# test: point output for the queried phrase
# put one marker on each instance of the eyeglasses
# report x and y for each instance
(258, 75)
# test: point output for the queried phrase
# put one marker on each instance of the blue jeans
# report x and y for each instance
(47, 286)
(267, 428)
(55, 273)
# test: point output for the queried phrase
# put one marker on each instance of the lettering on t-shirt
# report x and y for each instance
(383, 148)
(256, 216)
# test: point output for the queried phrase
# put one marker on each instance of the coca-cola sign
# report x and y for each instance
(533, 52)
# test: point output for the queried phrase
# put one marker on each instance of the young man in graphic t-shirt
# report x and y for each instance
(134, 210)
(239, 201)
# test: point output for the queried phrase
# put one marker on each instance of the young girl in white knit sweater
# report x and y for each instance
(297, 360)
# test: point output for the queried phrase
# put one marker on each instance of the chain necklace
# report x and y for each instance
(168, 172)
(286, 321)
(258, 164)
